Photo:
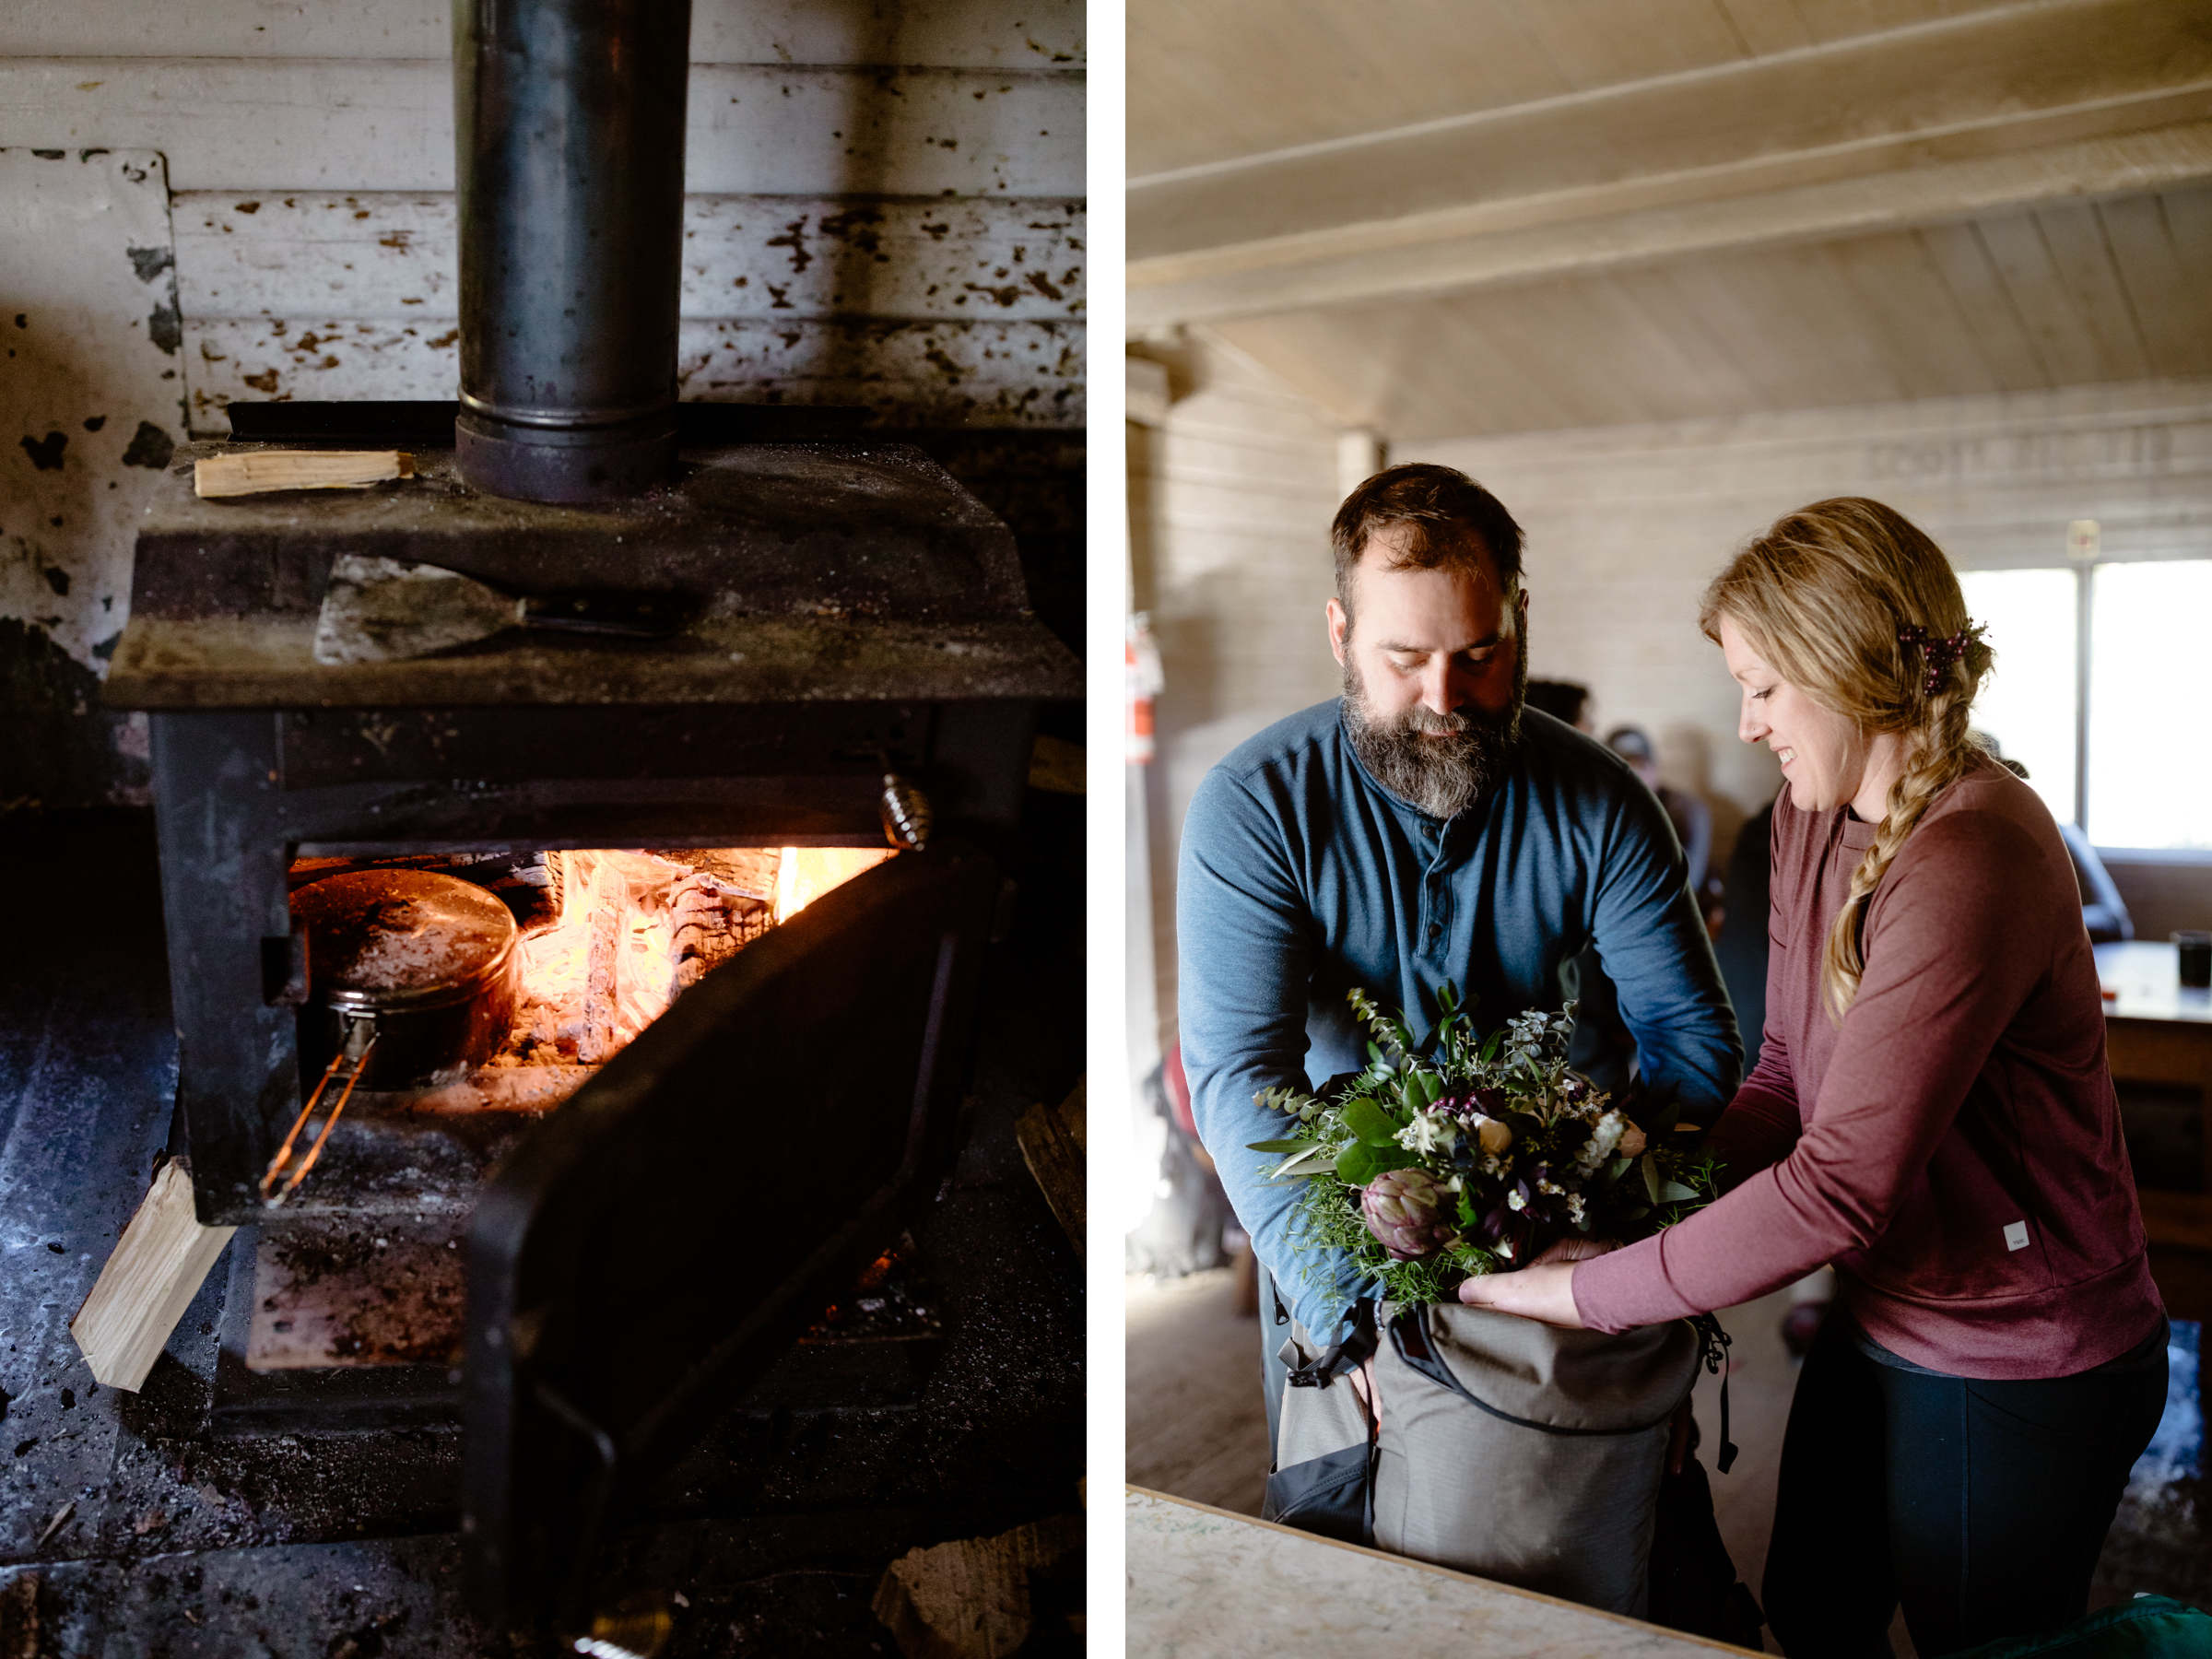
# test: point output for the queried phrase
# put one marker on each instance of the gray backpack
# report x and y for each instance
(1512, 1450)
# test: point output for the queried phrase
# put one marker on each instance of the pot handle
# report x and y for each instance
(353, 1053)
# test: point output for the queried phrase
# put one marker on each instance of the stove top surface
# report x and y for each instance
(823, 573)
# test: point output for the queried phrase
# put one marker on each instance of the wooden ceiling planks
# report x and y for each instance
(1241, 78)
(2166, 300)
(1992, 317)
(2031, 278)
(1596, 44)
(1916, 314)
(2079, 259)
(2077, 295)
(1228, 78)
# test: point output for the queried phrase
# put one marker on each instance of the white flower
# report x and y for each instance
(1505, 1248)
(1429, 1132)
(1602, 1139)
(1576, 1212)
(1513, 1201)
(1552, 1187)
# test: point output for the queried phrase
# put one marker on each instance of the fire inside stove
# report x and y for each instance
(608, 939)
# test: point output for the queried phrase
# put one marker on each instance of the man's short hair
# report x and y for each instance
(1451, 518)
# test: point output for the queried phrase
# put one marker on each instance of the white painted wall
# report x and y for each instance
(1230, 503)
(1627, 524)
(885, 207)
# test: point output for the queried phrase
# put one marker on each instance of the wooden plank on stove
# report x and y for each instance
(975, 373)
(381, 124)
(148, 1282)
(386, 255)
(989, 34)
(266, 470)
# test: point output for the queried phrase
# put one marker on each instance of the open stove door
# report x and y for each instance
(668, 1232)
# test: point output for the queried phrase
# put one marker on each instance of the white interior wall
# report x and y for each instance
(883, 208)
(1230, 501)
(1627, 524)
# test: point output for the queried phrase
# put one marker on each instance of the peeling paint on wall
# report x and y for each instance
(928, 312)
(93, 400)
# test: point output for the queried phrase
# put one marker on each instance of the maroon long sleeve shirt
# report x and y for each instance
(1954, 1147)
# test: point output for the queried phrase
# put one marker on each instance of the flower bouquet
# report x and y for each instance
(1464, 1155)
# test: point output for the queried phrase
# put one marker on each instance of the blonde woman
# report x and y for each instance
(1931, 1111)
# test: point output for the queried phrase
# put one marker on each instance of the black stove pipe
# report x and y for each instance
(569, 122)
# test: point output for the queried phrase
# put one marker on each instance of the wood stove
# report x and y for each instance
(860, 657)
(861, 626)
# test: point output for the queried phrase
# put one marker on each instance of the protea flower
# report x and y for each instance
(1409, 1211)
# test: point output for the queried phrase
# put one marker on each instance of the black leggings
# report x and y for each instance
(1981, 1506)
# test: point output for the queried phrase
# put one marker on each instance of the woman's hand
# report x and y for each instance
(1543, 1290)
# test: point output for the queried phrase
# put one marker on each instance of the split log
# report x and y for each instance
(259, 471)
(148, 1282)
(971, 1599)
(1052, 1140)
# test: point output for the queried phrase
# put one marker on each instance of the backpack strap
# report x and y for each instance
(1348, 1352)
(1712, 1347)
(1410, 1337)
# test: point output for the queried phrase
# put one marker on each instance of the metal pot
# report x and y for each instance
(423, 963)
(411, 985)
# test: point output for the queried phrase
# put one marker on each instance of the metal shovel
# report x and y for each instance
(377, 610)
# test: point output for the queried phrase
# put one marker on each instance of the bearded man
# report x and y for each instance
(1425, 828)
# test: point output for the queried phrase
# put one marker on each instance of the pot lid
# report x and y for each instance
(395, 936)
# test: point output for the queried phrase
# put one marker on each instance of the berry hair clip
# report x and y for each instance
(1940, 653)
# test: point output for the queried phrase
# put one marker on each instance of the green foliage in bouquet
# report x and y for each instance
(1464, 1154)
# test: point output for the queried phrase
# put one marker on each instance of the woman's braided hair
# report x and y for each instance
(1824, 595)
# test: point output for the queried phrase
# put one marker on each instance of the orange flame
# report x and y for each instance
(804, 874)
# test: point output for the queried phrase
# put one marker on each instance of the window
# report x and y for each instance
(2099, 691)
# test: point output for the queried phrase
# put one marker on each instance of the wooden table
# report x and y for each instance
(1204, 1584)
(2157, 1030)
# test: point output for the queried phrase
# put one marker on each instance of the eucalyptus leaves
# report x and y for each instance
(1464, 1153)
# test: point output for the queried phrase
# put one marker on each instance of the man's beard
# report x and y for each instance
(1442, 775)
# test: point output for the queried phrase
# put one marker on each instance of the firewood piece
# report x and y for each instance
(148, 1282)
(1051, 1141)
(256, 472)
(969, 1599)
(602, 989)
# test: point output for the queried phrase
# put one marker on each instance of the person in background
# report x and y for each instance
(1931, 1112)
(1564, 701)
(2104, 912)
(1691, 817)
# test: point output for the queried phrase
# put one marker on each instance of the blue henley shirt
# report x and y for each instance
(1301, 877)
